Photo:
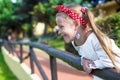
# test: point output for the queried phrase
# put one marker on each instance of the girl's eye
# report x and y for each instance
(60, 26)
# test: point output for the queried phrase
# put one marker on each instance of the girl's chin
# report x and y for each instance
(67, 41)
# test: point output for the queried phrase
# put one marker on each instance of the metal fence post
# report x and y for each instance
(53, 67)
(31, 61)
(21, 53)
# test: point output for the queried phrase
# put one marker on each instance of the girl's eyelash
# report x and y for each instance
(60, 26)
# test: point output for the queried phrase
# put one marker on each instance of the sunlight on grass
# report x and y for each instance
(5, 73)
(60, 45)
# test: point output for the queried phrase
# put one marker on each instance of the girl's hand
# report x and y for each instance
(86, 67)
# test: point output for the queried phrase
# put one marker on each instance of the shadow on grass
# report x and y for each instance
(5, 72)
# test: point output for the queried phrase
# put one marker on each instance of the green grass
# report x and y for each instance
(5, 72)
(57, 44)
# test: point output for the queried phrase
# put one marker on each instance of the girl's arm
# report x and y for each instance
(103, 60)
(85, 63)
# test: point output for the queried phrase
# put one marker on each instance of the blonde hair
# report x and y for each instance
(103, 38)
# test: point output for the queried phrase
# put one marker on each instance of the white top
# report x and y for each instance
(93, 50)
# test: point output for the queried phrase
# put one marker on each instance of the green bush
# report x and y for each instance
(111, 26)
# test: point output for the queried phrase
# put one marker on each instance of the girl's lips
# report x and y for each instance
(62, 35)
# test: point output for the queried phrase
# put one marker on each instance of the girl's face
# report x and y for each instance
(67, 28)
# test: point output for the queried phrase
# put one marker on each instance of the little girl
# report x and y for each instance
(97, 50)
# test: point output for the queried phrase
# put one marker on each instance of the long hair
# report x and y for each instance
(104, 40)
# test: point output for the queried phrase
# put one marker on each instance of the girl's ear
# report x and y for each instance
(77, 23)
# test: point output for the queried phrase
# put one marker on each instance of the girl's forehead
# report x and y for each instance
(60, 19)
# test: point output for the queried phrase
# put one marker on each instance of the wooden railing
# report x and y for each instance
(74, 61)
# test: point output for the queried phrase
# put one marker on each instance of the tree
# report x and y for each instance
(14, 15)
(6, 11)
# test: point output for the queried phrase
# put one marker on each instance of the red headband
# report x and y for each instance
(75, 16)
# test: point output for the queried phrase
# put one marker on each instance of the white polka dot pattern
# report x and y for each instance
(75, 16)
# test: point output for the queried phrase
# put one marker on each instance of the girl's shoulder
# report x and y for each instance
(92, 38)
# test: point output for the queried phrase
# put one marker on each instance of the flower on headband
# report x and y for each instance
(83, 10)
(75, 16)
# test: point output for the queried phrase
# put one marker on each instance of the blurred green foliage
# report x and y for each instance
(6, 11)
(14, 16)
(60, 44)
(111, 26)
